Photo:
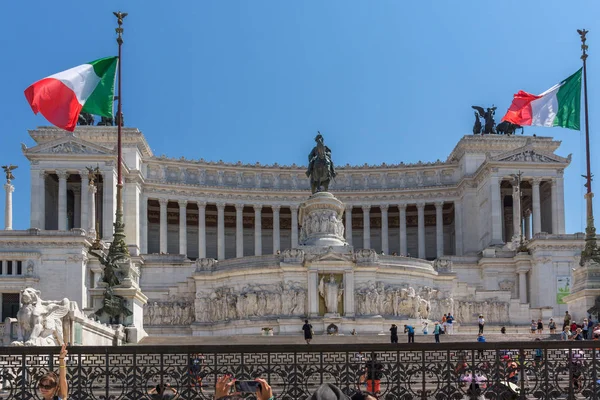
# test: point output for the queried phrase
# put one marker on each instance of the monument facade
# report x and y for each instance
(223, 248)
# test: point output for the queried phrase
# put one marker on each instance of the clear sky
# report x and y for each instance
(384, 81)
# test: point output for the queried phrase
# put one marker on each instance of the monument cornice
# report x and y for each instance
(499, 143)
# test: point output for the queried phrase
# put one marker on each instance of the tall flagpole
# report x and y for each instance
(118, 245)
(590, 252)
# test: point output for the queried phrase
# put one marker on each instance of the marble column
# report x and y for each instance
(313, 295)
(439, 229)
(516, 195)
(294, 210)
(528, 224)
(201, 229)
(348, 224)
(8, 214)
(41, 202)
(496, 211)
(421, 229)
(221, 231)
(143, 225)
(535, 199)
(183, 227)
(62, 200)
(560, 202)
(458, 228)
(257, 230)
(276, 237)
(366, 227)
(554, 198)
(76, 207)
(522, 287)
(239, 230)
(403, 245)
(85, 196)
(163, 225)
(385, 247)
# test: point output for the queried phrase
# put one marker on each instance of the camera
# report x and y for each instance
(247, 386)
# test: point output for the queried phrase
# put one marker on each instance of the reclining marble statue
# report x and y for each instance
(40, 322)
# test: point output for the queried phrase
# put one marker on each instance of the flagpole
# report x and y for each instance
(118, 246)
(590, 252)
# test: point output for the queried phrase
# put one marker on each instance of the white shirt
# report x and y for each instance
(481, 321)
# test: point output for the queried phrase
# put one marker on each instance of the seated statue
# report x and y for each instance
(105, 121)
(40, 322)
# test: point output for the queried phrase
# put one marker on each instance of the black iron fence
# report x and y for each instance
(519, 370)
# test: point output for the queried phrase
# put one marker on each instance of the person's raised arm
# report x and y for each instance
(63, 386)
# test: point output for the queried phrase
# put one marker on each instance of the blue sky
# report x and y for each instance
(384, 81)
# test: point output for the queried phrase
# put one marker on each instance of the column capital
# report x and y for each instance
(295, 207)
(349, 207)
(9, 188)
(239, 207)
(276, 207)
(536, 181)
(92, 189)
(42, 174)
(257, 207)
(554, 182)
(182, 203)
(421, 205)
(366, 208)
(402, 206)
(201, 204)
(439, 204)
(62, 174)
(383, 207)
(221, 205)
(527, 213)
(163, 202)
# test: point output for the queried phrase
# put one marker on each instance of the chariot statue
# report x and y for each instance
(320, 166)
(40, 322)
(488, 116)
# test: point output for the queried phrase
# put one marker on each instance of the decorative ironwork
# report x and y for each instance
(535, 370)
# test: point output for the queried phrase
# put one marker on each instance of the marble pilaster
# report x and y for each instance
(221, 231)
(366, 227)
(421, 229)
(294, 210)
(554, 198)
(92, 190)
(535, 199)
(183, 227)
(144, 225)
(527, 224)
(76, 207)
(560, 202)
(349, 306)
(163, 225)
(385, 247)
(439, 229)
(496, 210)
(41, 202)
(62, 200)
(276, 234)
(348, 226)
(403, 244)
(201, 229)
(516, 196)
(258, 230)
(239, 230)
(458, 227)
(522, 286)
(84, 200)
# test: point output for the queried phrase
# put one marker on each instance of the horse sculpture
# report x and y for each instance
(508, 128)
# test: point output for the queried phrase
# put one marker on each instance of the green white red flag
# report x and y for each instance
(558, 106)
(61, 97)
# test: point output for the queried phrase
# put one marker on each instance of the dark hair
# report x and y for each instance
(51, 378)
(306, 321)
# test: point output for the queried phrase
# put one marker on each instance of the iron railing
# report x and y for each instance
(520, 370)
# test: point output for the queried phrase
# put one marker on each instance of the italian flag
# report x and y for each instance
(61, 97)
(558, 106)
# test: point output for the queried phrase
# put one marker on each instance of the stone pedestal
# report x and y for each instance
(585, 289)
(8, 206)
(321, 220)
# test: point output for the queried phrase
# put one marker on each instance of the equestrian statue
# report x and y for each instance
(320, 166)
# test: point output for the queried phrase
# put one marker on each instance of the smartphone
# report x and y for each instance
(247, 386)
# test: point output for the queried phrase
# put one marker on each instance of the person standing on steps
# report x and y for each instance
(394, 333)
(481, 322)
(308, 332)
(411, 333)
(436, 331)
(449, 324)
